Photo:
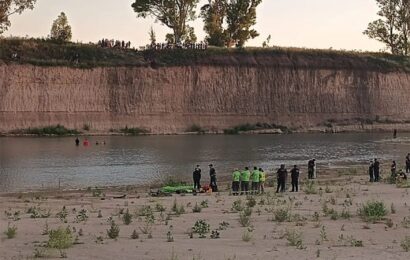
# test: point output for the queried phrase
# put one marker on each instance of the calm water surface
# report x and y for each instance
(33, 163)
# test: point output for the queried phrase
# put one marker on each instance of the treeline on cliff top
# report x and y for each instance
(46, 52)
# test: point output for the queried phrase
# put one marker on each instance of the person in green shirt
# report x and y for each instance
(255, 176)
(262, 179)
(236, 179)
(245, 177)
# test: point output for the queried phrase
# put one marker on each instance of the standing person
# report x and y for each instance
(245, 177)
(311, 169)
(408, 163)
(371, 171)
(212, 175)
(236, 178)
(255, 180)
(282, 173)
(77, 141)
(262, 179)
(294, 174)
(393, 170)
(197, 178)
(86, 142)
(376, 167)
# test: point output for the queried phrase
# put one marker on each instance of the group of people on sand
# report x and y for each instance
(374, 170)
(86, 142)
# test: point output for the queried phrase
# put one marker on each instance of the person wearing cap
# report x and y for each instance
(212, 175)
(294, 174)
(371, 171)
(197, 178)
(262, 179)
(255, 176)
(245, 177)
(311, 169)
(236, 178)
(282, 173)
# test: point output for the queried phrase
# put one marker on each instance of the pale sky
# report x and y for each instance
(298, 23)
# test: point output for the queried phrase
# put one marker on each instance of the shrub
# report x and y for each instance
(127, 217)
(57, 130)
(204, 203)
(405, 244)
(82, 216)
(294, 239)
(62, 215)
(11, 231)
(196, 208)
(372, 211)
(237, 205)
(61, 238)
(133, 131)
(246, 236)
(244, 219)
(251, 202)
(310, 188)
(201, 228)
(135, 235)
(281, 215)
(114, 230)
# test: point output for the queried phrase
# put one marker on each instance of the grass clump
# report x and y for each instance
(201, 227)
(372, 211)
(57, 130)
(11, 232)
(61, 238)
(114, 230)
(196, 208)
(237, 205)
(294, 239)
(405, 244)
(281, 215)
(310, 188)
(247, 235)
(127, 217)
(133, 131)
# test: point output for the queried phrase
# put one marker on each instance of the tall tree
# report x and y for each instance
(241, 16)
(174, 14)
(392, 28)
(61, 30)
(214, 14)
(10, 7)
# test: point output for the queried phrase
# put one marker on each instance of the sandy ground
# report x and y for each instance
(322, 237)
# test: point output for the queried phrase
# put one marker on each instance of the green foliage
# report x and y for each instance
(174, 14)
(204, 203)
(114, 230)
(405, 244)
(201, 228)
(282, 215)
(10, 7)
(213, 14)
(135, 235)
(310, 187)
(60, 238)
(61, 30)
(62, 215)
(133, 131)
(127, 217)
(247, 235)
(406, 222)
(294, 239)
(245, 218)
(392, 28)
(372, 211)
(11, 231)
(37, 212)
(237, 205)
(57, 130)
(250, 202)
(81, 216)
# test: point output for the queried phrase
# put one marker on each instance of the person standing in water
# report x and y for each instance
(197, 178)
(77, 141)
(212, 175)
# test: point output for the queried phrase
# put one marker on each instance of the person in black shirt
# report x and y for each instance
(294, 174)
(371, 171)
(282, 173)
(311, 169)
(408, 163)
(212, 174)
(393, 170)
(77, 141)
(376, 168)
(197, 178)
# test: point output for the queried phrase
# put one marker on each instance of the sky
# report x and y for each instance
(322, 24)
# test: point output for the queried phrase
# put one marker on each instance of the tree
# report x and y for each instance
(213, 15)
(266, 43)
(393, 28)
(241, 16)
(61, 30)
(152, 36)
(10, 7)
(174, 14)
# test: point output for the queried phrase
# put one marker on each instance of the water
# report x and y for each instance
(34, 163)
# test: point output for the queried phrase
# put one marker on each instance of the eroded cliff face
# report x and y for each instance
(171, 99)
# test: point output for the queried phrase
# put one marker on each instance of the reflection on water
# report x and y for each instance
(32, 163)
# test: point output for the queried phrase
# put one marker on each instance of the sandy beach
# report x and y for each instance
(321, 221)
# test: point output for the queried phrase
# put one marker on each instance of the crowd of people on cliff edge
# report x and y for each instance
(248, 181)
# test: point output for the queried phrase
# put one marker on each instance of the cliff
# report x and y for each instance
(295, 90)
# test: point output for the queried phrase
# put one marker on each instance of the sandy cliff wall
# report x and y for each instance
(171, 99)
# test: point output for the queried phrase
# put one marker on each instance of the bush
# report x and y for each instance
(196, 208)
(127, 217)
(114, 230)
(310, 188)
(61, 238)
(247, 236)
(405, 244)
(11, 231)
(57, 130)
(372, 211)
(294, 239)
(133, 131)
(244, 219)
(237, 205)
(281, 215)
(201, 228)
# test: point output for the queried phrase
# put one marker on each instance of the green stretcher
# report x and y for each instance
(177, 189)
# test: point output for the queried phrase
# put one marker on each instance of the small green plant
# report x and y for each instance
(328, 190)
(323, 234)
(244, 219)
(204, 203)
(11, 231)
(82, 216)
(389, 223)
(237, 205)
(372, 211)
(196, 208)
(114, 230)
(251, 202)
(201, 228)
(405, 244)
(310, 188)
(159, 207)
(316, 217)
(247, 235)
(294, 239)
(282, 215)
(215, 234)
(223, 225)
(38, 212)
(345, 214)
(406, 222)
(61, 238)
(127, 218)
(178, 209)
(170, 237)
(62, 215)
(135, 235)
